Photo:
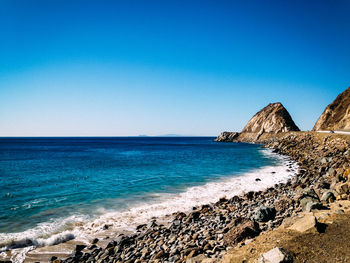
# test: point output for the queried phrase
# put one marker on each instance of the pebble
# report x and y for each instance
(202, 231)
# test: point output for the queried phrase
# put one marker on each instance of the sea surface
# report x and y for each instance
(56, 189)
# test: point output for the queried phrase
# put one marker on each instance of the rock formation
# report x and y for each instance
(337, 114)
(227, 136)
(272, 119)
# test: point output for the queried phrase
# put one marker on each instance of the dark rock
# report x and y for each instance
(264, 214)
(227, 137)
(53, 258)
(312, 206)
(195, 215)
(79, 247)
(141, 226)
(246, 228)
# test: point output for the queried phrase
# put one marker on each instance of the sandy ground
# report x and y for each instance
(311, 246)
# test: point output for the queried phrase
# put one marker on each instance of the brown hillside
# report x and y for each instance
(337, 114)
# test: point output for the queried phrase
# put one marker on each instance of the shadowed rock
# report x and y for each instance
(227, 137)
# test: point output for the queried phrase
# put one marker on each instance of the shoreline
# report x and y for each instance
(227, 187)
(209, 232)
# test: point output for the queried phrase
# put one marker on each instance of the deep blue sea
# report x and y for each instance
(47, 184)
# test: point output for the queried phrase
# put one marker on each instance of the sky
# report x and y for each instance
(125, 68)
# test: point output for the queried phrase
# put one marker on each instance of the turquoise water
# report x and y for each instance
(43, 179)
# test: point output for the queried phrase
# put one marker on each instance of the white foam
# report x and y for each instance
(45, 234)
(84, 229)
(198, 195)
(19, 255)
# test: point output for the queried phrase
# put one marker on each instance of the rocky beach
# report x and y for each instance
(150, 131)
(208, 233)
(274, 223)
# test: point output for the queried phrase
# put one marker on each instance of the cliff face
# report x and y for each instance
(272, 119)
(337, 114)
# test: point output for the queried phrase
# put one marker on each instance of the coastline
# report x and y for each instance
(209, 232)
(184, 202)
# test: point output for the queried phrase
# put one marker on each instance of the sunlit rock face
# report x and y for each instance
(336, 116)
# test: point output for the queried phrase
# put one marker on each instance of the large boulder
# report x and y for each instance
(308, 199)
(264, 214)
(276, 255)
(336, 116)
(242, 229)
(304, 223)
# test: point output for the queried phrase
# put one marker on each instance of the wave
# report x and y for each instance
(83, 228)
(44, 234)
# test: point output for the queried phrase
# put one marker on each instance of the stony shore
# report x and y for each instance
(210, 232)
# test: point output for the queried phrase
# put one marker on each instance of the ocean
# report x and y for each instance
(57, 189)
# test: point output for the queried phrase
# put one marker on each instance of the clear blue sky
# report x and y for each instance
(157, 67)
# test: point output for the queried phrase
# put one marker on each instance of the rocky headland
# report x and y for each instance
(272, 119)
(319, 203)
(336, 116)
(218, 232)
(305, 219)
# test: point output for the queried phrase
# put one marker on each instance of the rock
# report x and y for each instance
(306, 201)
(346, 174)
(283, 203)
(306, 196)
(342, 188)
(264, 214)
(305, 223)
(197, 259)
(160, 254)
(201, 259)
(53, 258)
(328, 197)
(312, 206)
(307, 192)
(336, 116)
(245, 229)
(323, 160)
(276, 255)
(342, 197)
(79, 248)
(195, 215)
(272, 119)
(227, 136)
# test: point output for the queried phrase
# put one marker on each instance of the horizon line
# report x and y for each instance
(104, 136)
